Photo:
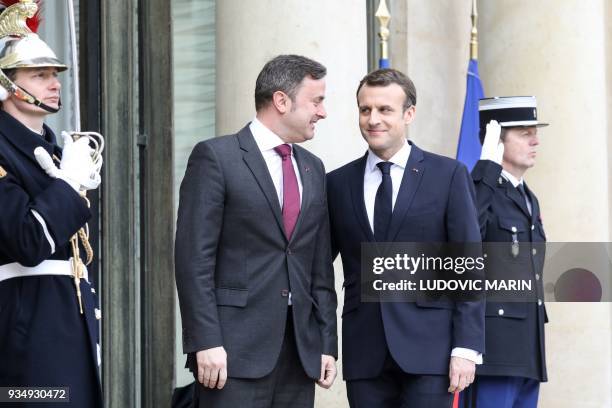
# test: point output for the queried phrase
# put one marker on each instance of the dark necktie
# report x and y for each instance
(291, 192)
(383, 207)
(521, 189)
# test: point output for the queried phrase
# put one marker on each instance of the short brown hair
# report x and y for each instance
(388, 76)
(285, 73)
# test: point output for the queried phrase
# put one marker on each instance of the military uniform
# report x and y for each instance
(514, 361)
(514, 330)
(45, 341)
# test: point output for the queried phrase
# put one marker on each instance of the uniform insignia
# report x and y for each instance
(3, 172)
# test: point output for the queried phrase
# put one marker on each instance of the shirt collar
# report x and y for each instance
(400, 158)
(515, 182)
(264, 137)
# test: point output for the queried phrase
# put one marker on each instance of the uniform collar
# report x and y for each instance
(24, 138)
(515, 182)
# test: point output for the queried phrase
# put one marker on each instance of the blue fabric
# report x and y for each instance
(468, 150)
(501, 392)
(384, 63)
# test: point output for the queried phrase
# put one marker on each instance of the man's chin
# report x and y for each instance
(308, 136)
(52, 105)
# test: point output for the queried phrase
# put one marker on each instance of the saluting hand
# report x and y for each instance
(212, 367)
(492, 148)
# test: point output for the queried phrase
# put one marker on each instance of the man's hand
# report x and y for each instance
(328, 371)
(492, 149)
(77, 167)
(461, 373)
(212, 367)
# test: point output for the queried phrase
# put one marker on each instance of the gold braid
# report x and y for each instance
(77, 263)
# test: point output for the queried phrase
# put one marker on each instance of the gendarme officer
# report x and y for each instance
(509, 214)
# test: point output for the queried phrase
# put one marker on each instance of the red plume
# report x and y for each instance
(33, 22)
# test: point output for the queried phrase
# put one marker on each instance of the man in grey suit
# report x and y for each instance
(253, 270)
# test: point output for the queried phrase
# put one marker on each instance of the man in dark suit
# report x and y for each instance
(509, 213)
(253, 268)
(401, 354)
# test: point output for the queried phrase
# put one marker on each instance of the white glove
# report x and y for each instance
(492, 148)
(77, 167)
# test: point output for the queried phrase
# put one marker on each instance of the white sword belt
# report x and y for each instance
(48, 267)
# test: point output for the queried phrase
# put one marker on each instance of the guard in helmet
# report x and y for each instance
(48, 315)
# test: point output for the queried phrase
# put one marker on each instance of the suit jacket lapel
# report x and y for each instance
(413, 174)
(356, 186)
(305, 168)
(256, 163)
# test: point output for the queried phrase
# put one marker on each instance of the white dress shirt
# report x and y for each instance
(371, 181)
(373, 177)
(266, 142)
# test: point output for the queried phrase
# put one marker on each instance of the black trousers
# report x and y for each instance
(286, 386)
(394, 388)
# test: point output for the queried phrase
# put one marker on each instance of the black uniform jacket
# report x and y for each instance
(514, 330)
(44, 339)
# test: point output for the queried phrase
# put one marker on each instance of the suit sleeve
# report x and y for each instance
(31, 228)
(485, 175)
(462, 227)
(323, 288)
(200, 217)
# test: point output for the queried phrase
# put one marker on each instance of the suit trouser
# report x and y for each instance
(501, 392)
(286, 386)
(394, 388)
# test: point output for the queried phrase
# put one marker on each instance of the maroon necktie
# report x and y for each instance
(291, 192)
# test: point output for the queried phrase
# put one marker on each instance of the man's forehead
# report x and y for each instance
(523, 129)
(37, 69)
(384, 93)
(312, 87)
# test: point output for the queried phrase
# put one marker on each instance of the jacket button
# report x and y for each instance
(513, 229)
(289, 251)
(534, 251)
(532, 227)
(285, 292)
(537, 276)
(500, 312)
(539, 302)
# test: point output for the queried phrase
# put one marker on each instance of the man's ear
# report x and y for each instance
(409, 114)
(281, 101)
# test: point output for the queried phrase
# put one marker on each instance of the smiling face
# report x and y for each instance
(304, 110)
(43, 84)
(383, 119)
(520, 149)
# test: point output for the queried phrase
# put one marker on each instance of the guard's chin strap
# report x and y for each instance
(26, 96)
